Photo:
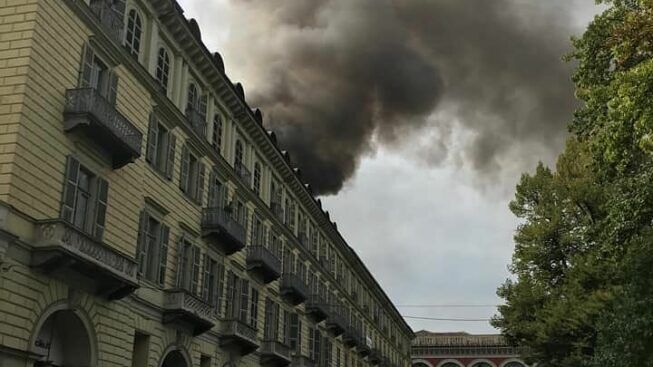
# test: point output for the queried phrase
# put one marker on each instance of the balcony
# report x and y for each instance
(182, 308)
(274, 354)
(302, 361)
(263, 263)
(349, 337)
(374, 357)
(197, 121)
(222, 230)
(110, 17)
(244, 174)
(237, 336)
(60, 250)
(316, 308)
(362, 348)
(293, 289)
(90, 113)
(335, 322)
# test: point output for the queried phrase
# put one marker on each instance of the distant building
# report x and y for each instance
(463, 350)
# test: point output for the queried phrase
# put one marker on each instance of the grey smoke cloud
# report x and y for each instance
(335, 77)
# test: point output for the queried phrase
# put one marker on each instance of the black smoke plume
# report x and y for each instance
(335, 78)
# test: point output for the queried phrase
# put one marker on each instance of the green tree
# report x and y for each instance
(582, 292)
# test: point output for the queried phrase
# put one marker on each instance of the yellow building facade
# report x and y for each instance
(146, 216)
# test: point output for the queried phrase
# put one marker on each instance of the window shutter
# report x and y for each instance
(268, 319)
(212, 201)
(181, 262)
(219, 295)
(170, 160)
(253, 309)
(196, 266)
(244, 297)
(152, 140)
(203, 108)
(185, 165)
(142, 241)
(163, 253)
(112, 87)
(206, 286)
(230, 296)
(86, 69)
(100, 207)
(285, 327)
(70, 190)
(311, 344)
(199, 195)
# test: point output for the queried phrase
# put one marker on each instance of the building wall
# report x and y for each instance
(41, 43)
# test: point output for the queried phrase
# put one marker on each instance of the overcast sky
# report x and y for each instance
(419, 163)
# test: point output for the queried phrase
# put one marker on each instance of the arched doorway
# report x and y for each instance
(174, 359)
(63, 341)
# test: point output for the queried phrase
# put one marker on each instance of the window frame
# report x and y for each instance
(137, 33)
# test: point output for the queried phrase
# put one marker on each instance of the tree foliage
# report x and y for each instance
(582, 292)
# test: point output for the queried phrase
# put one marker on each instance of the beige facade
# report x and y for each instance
(148, 219)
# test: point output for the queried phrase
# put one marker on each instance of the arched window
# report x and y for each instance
(481, 364)
(238, 157)
(133, 32)
(514, 364)
(193, 97)
(217, 132)
(257, 178)
(163, 68)
(450, 364)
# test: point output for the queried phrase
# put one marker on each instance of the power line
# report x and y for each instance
(445, 306)
(445, 319)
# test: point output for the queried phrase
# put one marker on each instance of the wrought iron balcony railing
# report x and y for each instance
(237, 336)
(263, 263)
(197, 121)
(316, 308)
(109, 16)
(90, 112)
(293, 288)
(274, 353)
(223, 230)
(64, 251)
(335, 321)
(181, 307)
(374, 357)
(350, 337)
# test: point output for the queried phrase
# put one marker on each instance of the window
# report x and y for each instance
(212, 281)
(162, 72)
(514, 364)
(133, 32)
(295, 339)
(192, 98)
(192, 174)
(217, 132)
(238, 156)
(160, 147)
(257, 178)
(216, 191)
(188, 266)
(241, 213)
(257, 231)
(237, 300)
(96, 74)
(85, 199)
(271, 331)
(152, 248)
